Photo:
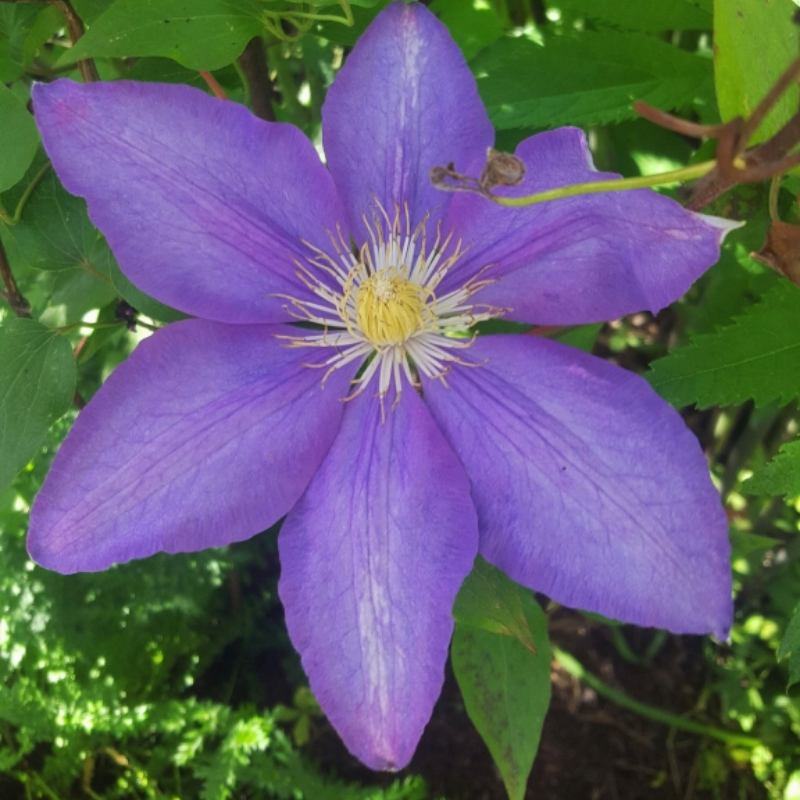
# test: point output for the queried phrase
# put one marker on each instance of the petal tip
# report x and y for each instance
(723, 226)
(43, 556)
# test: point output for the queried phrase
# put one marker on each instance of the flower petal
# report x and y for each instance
(205, 436)
(588, 486)
(202, 203)
(581, 259)
(371, 559)
(404, 102)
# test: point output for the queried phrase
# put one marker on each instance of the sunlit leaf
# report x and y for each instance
(754, 42)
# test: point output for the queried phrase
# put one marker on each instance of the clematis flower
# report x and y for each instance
(399, 445)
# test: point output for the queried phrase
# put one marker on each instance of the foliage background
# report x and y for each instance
(174, 677)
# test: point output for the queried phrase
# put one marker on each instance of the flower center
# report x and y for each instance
(379, 306)
(390, 309)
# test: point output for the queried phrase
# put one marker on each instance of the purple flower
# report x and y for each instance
(567, 472)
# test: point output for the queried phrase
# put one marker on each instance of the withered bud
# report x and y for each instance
(449, 180)
(781, 250)
(501, 169)
(440, 176)
(126, 313)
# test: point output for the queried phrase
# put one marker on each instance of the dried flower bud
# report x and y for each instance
(440, 176)
(449, 180)
(501, 169)
(127, 314)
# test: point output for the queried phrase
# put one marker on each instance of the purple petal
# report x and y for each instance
(404, 102)
(206, 435)
(582, 259)
(371, 558)
(588, 486)
(202, 203)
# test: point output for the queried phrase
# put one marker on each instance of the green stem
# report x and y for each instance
(577, 670)
(774, 190)
(623, 648)
(656, 643)
(27, 194)
(596, 187)
(43, 787)
(94, 325)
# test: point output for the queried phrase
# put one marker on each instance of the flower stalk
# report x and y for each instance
(595, 187)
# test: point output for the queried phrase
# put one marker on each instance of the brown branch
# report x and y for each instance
(75, 30)
(12, 295)
(735, 164)
(771, 158)
(253, 62)
(213, 84)
(676, 124)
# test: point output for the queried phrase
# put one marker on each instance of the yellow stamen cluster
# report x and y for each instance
(381, 305)
(390, 309)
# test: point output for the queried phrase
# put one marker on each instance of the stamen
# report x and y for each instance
(378, 304)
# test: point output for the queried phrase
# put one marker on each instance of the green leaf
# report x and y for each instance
(790, 646)
(755, 358)
(473, 26)
(349, 35)
(199, 34)
(491, 601)
(24, 28)
(501, 659)
(48, 22)
(37, 382)
(74, 292)
(16, 22)
(583, 337)
(745, 544)
(90, 10)
(136, 297)
(591, 79)
(55, 233)
(9, 69)
(19, 137)
(164, 70)
(733, 284)
(754, 42)
(644, 15)
(781, 475)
